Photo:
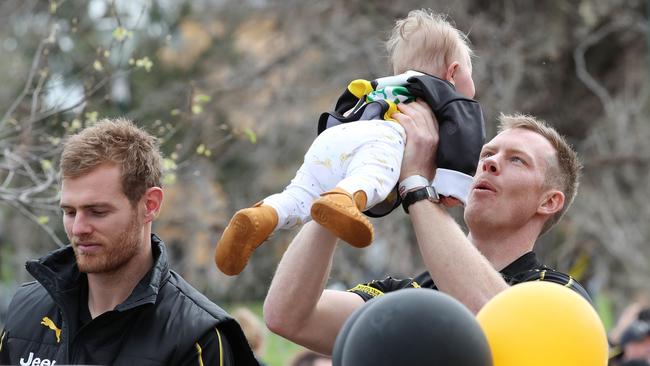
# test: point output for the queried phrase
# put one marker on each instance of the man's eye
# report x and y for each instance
(98, 213)
(486, 154)
(68, 212)
(518, 160)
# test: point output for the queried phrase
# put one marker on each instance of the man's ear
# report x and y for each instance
(552, 202)
(153, 198)
(451, 71)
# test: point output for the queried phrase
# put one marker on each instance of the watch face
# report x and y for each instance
(432, 194)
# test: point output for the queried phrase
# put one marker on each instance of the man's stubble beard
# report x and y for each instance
(113, 255)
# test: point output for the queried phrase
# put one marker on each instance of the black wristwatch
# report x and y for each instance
(424, 193)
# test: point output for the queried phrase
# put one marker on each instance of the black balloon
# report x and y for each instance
(341, 338)
(412, 327)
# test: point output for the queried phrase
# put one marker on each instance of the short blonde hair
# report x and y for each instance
(564, 172)
(120, 142)
(425, 40)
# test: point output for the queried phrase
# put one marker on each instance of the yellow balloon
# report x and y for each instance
(543, 324)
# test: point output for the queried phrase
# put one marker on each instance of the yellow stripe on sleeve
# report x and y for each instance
(220, 347)
(200, 351)
(2, 340)
(367, 289)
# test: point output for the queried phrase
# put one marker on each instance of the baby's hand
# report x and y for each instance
(450, 201)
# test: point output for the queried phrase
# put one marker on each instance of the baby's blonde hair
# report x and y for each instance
(426, 41)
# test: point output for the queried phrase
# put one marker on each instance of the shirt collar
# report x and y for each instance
(58, 273)
(524, 263)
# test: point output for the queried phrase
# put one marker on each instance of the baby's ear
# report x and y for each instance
(450, 72)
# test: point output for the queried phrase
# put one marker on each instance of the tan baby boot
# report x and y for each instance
(247, 230)
(340, 212)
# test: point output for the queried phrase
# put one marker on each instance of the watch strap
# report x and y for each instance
(424, 193)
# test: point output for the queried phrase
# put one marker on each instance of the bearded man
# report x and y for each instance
(110, 298)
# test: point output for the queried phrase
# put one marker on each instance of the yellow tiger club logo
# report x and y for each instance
(50, 324)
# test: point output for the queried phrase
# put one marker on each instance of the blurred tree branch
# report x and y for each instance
(614, 194)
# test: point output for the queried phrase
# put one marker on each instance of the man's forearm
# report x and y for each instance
(291, 308)
(302, 272)
(455, 265)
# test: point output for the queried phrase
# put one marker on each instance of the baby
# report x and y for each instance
(354, 164)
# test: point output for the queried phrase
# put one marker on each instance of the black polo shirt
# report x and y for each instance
(526, 268)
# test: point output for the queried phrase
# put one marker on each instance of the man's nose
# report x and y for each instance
(80, 226)
(490, 165)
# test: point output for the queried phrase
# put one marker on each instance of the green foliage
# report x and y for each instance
(144, 63)
(202, 98)
(46, 164)
(169, 171)
(203, 150)
(120, 34)
(6, 271)
(251, 135)
(604, 307)
(198, 101)
(91, 117)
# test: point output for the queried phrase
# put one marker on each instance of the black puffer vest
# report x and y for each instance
(157, 324)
